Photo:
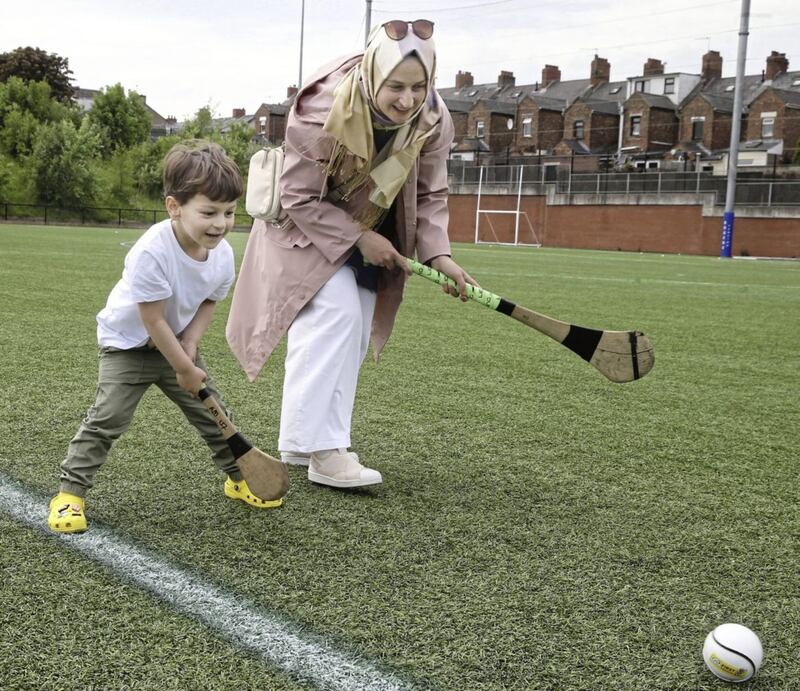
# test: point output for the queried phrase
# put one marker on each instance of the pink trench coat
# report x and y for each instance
(284, 267)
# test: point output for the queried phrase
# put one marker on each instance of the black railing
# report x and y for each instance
(91, 215)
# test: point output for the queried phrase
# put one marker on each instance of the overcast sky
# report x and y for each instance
(239, 53)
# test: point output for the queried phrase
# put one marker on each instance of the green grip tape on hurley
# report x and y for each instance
(477, 294)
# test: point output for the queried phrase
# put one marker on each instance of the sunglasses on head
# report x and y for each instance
(397, 29)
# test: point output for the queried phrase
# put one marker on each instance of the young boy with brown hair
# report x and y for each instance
(153, 321)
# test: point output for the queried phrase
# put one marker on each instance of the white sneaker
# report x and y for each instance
(295, 458)
(340, 468)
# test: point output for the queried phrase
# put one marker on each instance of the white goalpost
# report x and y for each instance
(517, 213)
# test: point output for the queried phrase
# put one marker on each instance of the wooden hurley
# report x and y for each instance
(266, 476)
(621, 356)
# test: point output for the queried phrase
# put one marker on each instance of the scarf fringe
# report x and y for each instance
(352, 184)
(371, 216)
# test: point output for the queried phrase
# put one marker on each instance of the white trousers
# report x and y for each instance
(327, 342)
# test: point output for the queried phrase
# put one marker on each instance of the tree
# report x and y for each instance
(239, 145)
(5, 176)
(62, 164)
(36, 65)
(122, 121)
(237, 140)
(202, 127)
(24, 106)
(148, 165)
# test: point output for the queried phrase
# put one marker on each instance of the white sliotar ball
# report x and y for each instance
(733, 652)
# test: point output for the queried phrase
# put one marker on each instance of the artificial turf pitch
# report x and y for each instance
(538, 528)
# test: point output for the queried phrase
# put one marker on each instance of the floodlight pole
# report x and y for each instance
(367, 22)
(736, 127)
(302, 23)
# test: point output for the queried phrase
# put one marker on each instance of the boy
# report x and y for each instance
(153, 321)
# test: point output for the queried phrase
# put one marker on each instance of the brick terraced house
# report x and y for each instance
(645, 118)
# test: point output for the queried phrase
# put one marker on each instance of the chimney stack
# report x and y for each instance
(776, 64)
(653, 66)
(238, 112)
(505, 78)
(463, 79)
(601, 71)
(291, 91)
(712, 66)
(550, 74)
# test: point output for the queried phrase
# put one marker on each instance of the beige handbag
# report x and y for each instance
(263, 197)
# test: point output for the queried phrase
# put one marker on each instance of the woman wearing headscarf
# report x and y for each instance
(364, 185)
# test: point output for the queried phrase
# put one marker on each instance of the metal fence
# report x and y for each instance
(749, 192)
(506, 175)
(755, 190)
(91, 215)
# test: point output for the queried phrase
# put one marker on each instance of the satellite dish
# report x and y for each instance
(510, 123)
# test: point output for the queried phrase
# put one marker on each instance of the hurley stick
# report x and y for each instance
(266, 476)
(621, 356)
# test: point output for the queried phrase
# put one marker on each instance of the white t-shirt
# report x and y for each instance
(156, 268)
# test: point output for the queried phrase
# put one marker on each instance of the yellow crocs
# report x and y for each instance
(238, 489)
(66, 513)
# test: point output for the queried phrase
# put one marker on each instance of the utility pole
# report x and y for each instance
(367, 22)
(302, 22)
(736, 127)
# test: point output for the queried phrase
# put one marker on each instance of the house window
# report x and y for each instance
(697, 129)
(767, 128)
(479, 129)
(615, 90)
(577, 129)
(262, 124)
(669, 85)
(527, 127)
(641, 85)
(636, 125)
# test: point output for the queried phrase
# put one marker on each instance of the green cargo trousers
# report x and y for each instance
(124, 376)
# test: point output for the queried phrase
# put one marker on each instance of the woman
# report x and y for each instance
(364, 184)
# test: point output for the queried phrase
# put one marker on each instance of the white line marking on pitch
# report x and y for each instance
(619, 279)
(279, 642)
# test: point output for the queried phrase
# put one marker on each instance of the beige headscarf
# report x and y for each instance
(354, 112)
